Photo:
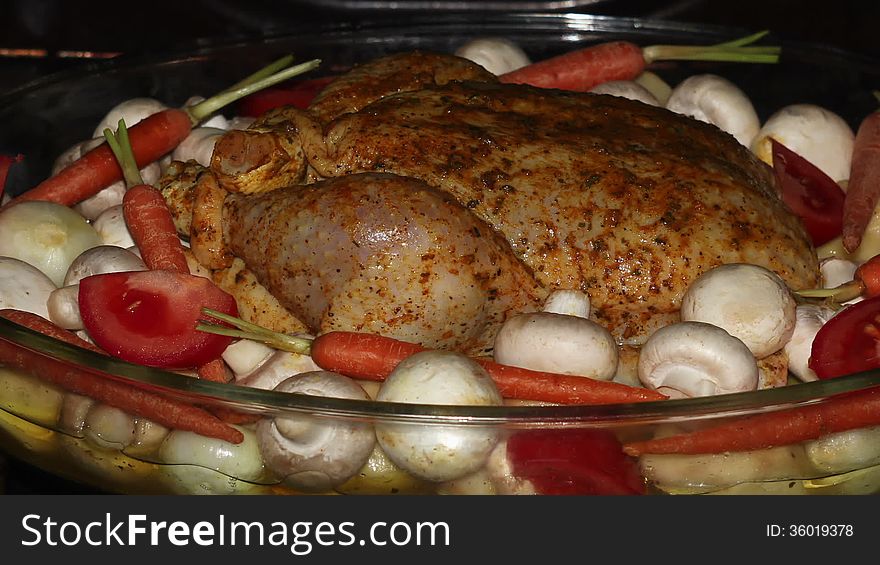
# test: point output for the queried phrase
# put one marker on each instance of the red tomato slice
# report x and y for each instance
(810, 193)
(574, 462)
(149, 317)
(849, 342)
(299, 95)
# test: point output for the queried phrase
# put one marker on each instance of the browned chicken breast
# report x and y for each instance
(627, 202)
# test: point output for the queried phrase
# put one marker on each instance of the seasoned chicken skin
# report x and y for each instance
(382, 254)
(625, 201)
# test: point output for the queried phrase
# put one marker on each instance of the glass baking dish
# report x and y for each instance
(45, 117)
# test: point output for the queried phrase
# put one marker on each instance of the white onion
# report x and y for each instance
(203, 465)
(46, 235)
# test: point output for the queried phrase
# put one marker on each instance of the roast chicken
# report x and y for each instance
(420, 198)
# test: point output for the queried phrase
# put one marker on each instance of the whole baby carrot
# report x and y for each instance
(773, 429)
(583, 69)
(373, 357)
(151, 138)
(863, 188)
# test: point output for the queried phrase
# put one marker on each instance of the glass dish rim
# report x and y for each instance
(273, 402)
(270, 402)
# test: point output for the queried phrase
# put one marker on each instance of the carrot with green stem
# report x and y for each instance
(373, 357)
(863, 188)
(152, 227)
(583, 69)
(146, 214)
(131, 399)
(150, 138)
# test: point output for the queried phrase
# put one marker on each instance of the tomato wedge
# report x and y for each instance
(574, 462)
(149, 317)
(849, 342)
(810, 193)
(299, 95)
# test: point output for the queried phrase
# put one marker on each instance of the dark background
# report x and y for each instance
(138, 28)
(38, 37)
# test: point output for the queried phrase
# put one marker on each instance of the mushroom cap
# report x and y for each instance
(112, 229)
(809, 320)
(626, 89)
(557, 343)
(818, 135)
(24, 287)
(696, 359)
(278, 367)
(100, 260)
(312, 453)
(496, 55)
(750, 302)
(198, 145)
(132, 111)
(716, 100)
(430, 451)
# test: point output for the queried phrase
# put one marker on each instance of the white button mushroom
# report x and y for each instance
(24, 287)
(818, 135)
(558, 343)
(626, 89)
(202, 465)
(430, 451)
(716, 100)
(809, 320)
(690, 359)
(46, 235)
(496, 55)
(63, 307)
(836, 272)
(100, 260)
(313, 453)
(112, 229)
(568, 302)
(198, 145)
(132, 111)
(277, 367)
(63, 303)
(750, 302)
